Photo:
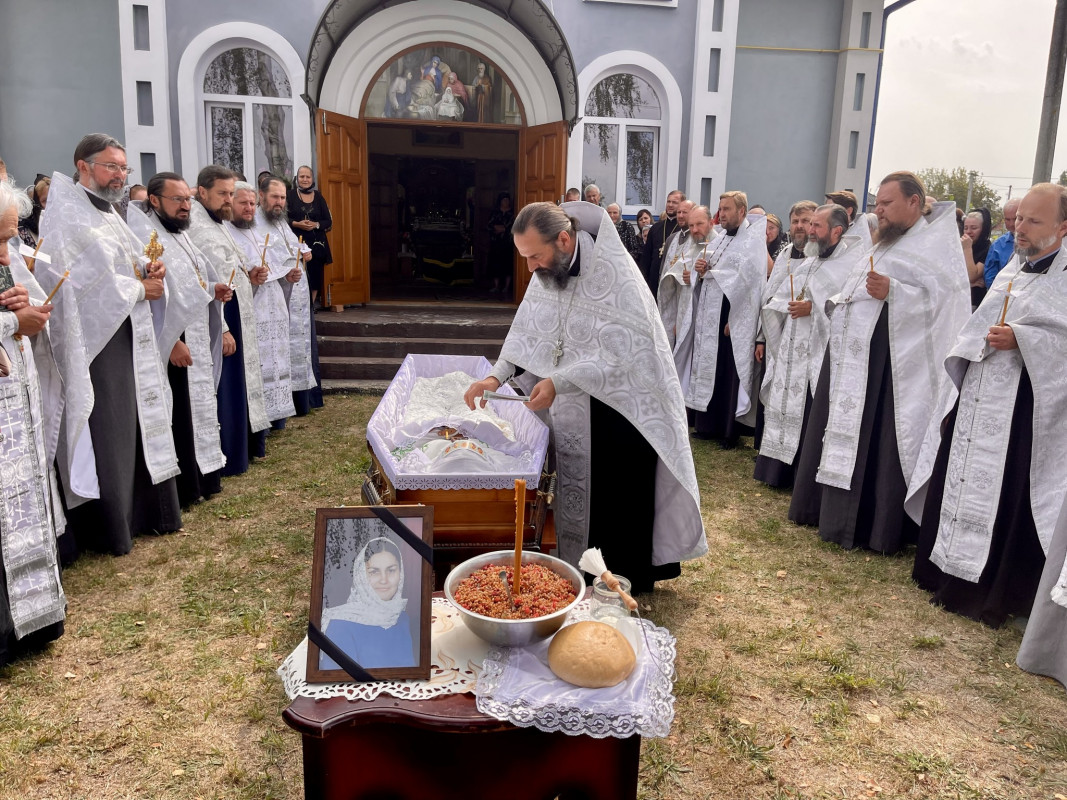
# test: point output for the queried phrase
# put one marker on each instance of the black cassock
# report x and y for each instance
(1008, 583)
(651, 257)
(192, 483)
(719, 419)
(239, 444)
(870, 514)
(129, 503)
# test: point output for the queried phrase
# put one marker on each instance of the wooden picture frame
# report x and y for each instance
(354, 610)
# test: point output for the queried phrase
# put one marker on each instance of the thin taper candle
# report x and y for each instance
(33, 261)
(1004, 311)
(52, 294)
(520, 523)
(792, 296)
(263, 258)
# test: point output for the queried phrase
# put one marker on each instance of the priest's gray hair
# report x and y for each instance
(243, 186)
(838, 216)
(93, 143)
(12, 196)
(548, 219)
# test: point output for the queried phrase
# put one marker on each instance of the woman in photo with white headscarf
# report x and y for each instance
(373, 627)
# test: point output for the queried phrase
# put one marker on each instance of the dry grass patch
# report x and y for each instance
(803, 671)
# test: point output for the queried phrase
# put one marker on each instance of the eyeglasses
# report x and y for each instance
(110, 166)
(180, 199)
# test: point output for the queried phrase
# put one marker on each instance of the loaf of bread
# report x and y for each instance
(591, 654)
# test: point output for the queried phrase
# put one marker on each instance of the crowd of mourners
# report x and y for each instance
(151, 338)
(893, 368)
(898, 371)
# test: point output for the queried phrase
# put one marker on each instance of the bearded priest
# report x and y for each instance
(989, 484)
(588, 347)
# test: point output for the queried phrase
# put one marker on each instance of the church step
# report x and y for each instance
(425, 322)
(354, 386)
(348, 368)
(376, 347)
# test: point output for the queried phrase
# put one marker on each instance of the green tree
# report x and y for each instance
(947, 184)
(1063, 178)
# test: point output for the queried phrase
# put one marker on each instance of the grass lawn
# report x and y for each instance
(804, 671)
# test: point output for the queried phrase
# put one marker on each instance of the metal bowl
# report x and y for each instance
(514, 632)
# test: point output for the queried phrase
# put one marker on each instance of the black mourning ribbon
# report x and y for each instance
(327, 645)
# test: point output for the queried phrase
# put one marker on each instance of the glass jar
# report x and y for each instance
(603, 596)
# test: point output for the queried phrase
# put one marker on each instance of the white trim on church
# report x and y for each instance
(714, 54)
(202, 50)
(647, 67)
(145, 86)
(377, 40)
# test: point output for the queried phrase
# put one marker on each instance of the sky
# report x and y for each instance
(962, 84)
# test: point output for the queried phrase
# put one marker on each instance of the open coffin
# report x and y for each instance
(469, 479)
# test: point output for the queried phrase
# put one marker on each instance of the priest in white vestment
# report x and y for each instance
(796, 329)
(675, 294)
(892, 323)
(121, 483)
(32, 602)
(272, 313)
(289, 251)
(190, 337)
(989, 482)
(720, 380)
(242, 415)
(592, 352)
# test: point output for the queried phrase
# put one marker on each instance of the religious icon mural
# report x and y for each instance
(443, 83)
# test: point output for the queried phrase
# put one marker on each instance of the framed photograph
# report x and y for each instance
(371, 585)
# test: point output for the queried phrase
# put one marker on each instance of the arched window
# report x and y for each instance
(621, 141)
(248, 112)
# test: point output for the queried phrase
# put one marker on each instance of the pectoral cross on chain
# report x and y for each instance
(557, 352)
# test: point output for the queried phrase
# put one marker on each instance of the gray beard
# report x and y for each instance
(243, 224)
(1034, 248)
(812, 249)
(111, 195)
(278, 215)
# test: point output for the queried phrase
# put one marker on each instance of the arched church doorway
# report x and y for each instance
(426, 112)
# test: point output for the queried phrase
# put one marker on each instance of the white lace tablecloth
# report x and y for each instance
(517, 686)
(456, 657)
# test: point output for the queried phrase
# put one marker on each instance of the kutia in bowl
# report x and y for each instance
(557, 585)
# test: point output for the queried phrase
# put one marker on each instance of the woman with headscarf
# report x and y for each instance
(39, 196)
(309, 217)
(372, 627)
(775, 237)
(977, 226)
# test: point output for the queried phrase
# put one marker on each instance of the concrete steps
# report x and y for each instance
(361, 349)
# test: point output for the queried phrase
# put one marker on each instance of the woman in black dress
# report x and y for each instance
(501, 247)
(310, 217)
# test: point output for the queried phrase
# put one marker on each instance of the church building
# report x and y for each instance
(417, 115)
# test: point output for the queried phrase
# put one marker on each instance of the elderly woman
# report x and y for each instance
(775, 237)
(309, 217)
(630, 238)
(372, 626)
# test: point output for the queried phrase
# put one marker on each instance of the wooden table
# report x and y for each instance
(445, 749)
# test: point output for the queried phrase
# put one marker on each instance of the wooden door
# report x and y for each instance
(342, 180)
(542, 177)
